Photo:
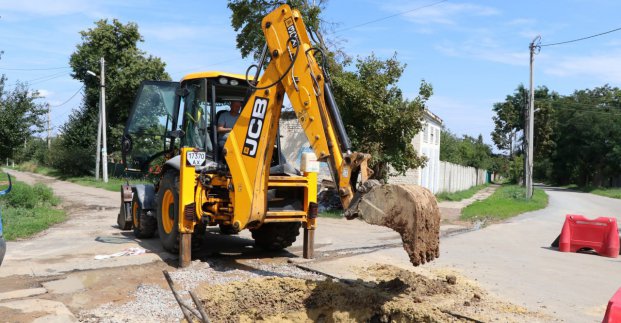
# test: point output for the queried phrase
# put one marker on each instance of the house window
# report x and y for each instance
(426, 133)
(432, 135)
(437, 136)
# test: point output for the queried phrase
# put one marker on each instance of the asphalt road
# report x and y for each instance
(512, 260)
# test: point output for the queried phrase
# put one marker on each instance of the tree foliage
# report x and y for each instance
(466, 151)
(587, 137)
(125, 67)
(577, 137)
(378, 119)
(247, 15)
(20, 117)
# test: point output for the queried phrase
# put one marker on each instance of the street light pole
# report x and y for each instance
(528, 170)
(98, 146)
(104, 150)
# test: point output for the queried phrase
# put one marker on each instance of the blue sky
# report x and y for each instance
(474, 53)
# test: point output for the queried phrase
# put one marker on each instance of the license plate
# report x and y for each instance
(195, 158)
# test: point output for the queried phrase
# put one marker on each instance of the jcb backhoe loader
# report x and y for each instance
(246, 184)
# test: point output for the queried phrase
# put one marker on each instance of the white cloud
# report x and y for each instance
(605, 67)
(444, 13)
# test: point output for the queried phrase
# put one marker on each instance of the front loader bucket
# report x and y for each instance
(410, 210)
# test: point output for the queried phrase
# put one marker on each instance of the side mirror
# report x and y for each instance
(182, 91)
(176, 133)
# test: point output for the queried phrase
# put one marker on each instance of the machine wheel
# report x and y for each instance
(168, 211)
(144, 224)
(120, 220)
(227, 229)
(276, 236)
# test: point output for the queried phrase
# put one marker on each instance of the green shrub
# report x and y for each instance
(71, 161)
(29, 197)
(21, 196)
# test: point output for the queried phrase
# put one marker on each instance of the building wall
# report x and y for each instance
(426, 143)
(437, 176)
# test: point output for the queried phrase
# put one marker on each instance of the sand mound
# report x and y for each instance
(396, 295)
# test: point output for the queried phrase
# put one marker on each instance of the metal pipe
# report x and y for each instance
(336, 119)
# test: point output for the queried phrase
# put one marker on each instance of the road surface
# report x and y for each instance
(512, 260)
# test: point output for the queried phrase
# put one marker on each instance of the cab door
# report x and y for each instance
(152, 118)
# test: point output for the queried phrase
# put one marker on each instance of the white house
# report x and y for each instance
(427, 143)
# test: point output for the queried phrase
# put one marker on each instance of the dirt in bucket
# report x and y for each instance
(391, 295)
(410, 210)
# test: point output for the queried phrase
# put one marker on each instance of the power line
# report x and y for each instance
(391, 16)
(33, 69)
(579, 39)
(69, 99)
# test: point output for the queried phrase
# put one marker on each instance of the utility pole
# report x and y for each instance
(104, 149)
(49, 129)
(97, 149)
(530, 123)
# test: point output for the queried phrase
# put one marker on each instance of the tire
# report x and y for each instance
(227, 229)
(144, 224)
(120, 219)
(276, 236)
(168, 211)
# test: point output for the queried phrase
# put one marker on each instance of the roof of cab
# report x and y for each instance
(212, 74)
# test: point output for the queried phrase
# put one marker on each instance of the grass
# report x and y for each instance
(334, 214)
(612, 192)
(460, 195)
(506, 202)
(27, 210)
(113, 184)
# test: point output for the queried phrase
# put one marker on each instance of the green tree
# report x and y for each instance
(378, 119)
(382, 123)
(126, 66)
(466, 151)
(588, 137)
(20, 117)
(247, 15)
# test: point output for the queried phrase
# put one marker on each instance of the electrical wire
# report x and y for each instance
(391, 16)
(69, 99)
(33, 69)
(579, 39)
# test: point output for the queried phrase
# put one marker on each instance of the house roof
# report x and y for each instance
(432, 116)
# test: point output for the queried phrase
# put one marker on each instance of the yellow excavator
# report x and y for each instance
(246, 183)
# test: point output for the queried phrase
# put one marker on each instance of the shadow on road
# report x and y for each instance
(213, 245)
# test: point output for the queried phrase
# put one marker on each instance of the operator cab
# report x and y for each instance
(167, 115)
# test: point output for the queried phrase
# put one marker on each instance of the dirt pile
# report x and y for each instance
(410, 210)
(396, 295)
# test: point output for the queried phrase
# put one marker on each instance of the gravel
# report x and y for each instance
(153, 303)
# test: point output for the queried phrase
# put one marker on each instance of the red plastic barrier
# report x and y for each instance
(600, 234)
(613, 312)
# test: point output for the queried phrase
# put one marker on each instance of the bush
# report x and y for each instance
(71, 161)
(29, 197)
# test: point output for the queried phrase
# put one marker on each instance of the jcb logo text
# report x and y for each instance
(251, 144)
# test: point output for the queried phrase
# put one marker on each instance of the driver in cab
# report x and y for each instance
(226, 121)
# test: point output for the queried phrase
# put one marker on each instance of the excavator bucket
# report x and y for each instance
(410, 210)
